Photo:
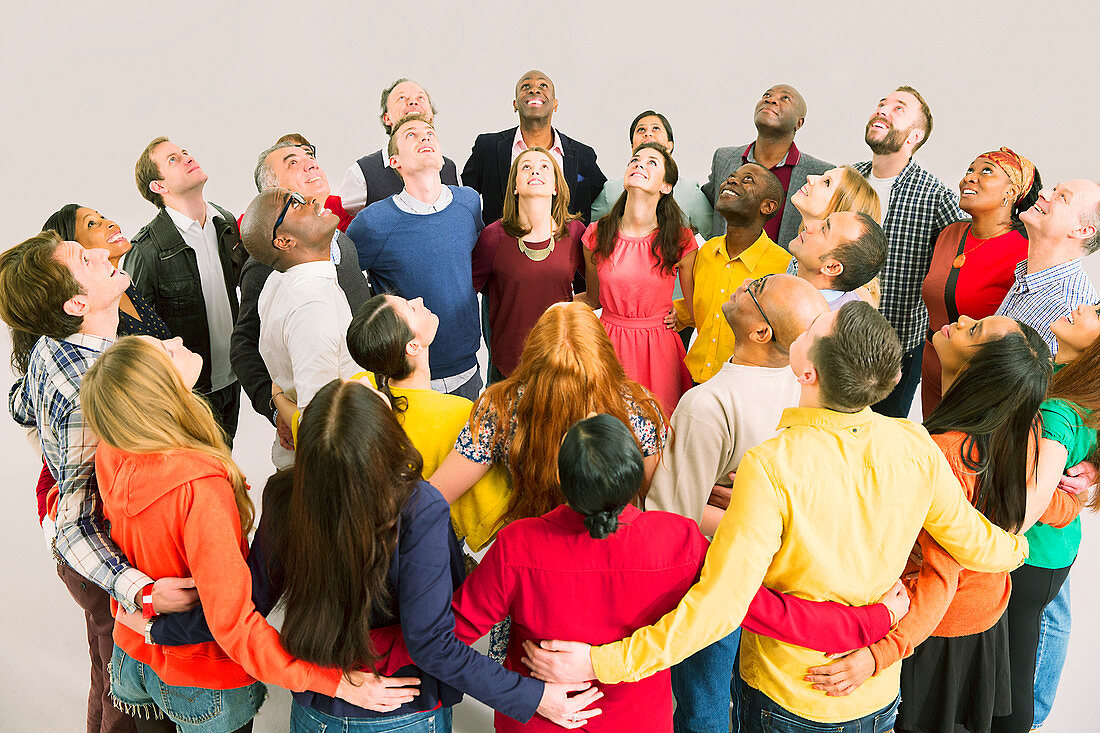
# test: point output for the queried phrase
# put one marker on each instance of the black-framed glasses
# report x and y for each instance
(758, 285)
(312, 150)
(294, 199)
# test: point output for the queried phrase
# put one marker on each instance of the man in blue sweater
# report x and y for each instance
(418, 244)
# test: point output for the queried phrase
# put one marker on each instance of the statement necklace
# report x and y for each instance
(961, 259)
(536, 255)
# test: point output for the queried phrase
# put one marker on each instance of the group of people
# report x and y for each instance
(688, 466)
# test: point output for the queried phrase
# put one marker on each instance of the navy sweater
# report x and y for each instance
(428, 256)
(423, 574)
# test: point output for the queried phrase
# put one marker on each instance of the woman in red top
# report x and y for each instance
(178, 506)
(597, 568)
(526, 262)
(974, 262)
(632, 258)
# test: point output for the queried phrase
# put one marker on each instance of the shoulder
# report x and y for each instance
(466, 196)
(729, 153)
(703, 403)
(425, 504)
(577, 228)
(588, 238)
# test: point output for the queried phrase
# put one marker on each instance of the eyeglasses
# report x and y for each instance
(295, 199)
(758, 285)
(308, 148)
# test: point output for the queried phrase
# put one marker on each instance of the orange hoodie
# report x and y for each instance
(173, 514)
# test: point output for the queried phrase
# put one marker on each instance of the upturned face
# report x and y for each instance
(95, 232)
(1076, 332)
(813, 199)
(296, 169)
(955, 343)
(985, 187)
(535, 175)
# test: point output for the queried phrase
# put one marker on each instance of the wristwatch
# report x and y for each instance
(149, 631)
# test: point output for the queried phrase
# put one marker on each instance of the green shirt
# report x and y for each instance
(1051, 547)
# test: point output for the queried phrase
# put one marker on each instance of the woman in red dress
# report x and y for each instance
(974, 262)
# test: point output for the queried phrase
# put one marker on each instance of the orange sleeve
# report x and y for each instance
(929, 597)
(212, 545)
(1063, 508)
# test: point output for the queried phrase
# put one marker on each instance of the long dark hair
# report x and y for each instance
(666, 247)
(601, 470)
(377, 337)
(995, 401)
(1025, 202)
(354, 471)
(63, 221)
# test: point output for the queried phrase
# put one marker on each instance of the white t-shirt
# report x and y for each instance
(882, 188)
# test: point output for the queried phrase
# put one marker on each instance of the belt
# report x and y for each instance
(629, 322)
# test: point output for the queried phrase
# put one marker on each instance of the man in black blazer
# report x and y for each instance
(493, 153)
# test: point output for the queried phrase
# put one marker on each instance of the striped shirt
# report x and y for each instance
(1043, 297)
(919, 207)
(48, 398)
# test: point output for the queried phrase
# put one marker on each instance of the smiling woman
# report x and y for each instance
(974, 262)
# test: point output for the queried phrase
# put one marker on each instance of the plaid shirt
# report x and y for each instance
(919, 207)
(48, 398)
(1043, 297)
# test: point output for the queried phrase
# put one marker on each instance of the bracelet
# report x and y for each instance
(149, 631)
(147, 602)
(275, 417)
(271, 400)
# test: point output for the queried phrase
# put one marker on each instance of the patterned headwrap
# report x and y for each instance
(1020, 170)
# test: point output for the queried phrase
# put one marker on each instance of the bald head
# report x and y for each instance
(535, 97)
(787, 304)
(257, 223)
(780, 111)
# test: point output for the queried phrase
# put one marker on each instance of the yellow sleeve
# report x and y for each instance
(294, 420)
(748, 537)
(683, 316)
(964, 532)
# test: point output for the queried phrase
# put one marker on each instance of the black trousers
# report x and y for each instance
(1032, 589)
(898, 402)
(226, 405)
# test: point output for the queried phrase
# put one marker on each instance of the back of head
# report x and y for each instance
(134, 399)
(63, 221)
(377, 338)
(856, 194)
(792, 305)
(257, 225)
(1090, 217)
(568, 369)
(772, 189)
(146, 171)
(925, 121)
(34, 287)
(601, 470)
(862, 257)
(354, 471)
(860, 361)
(994, 400)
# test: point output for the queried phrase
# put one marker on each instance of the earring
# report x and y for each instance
(1005, 202)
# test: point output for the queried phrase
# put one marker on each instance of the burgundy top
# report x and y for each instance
(518, 289)
(975, 290)
(783, 172)
(557, 582)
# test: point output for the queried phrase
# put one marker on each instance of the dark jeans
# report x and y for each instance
(761, 714)
(898, 402)
(1032, 589)
(103, 716)
(226, 405)
(704, 684)
(471, 389)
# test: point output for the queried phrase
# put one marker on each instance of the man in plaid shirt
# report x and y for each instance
(71, 295)
(915, 207)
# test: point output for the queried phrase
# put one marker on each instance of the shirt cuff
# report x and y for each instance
(683, 319)
(608, 663)
(127, 586)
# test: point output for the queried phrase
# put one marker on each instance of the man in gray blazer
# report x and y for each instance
(779, 114)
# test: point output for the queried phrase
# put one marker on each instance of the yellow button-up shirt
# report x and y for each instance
(716, 276)
(826, 510)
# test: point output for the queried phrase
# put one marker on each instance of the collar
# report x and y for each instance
(317, 268)
(751, 256)
(409, 203)
(831, 295)
(822, 417)
(183, 222)
(1036, 280)
(793, 155)
(866, 168)
(520, 146)
(88, 341)
(385, 158)
(569, 518)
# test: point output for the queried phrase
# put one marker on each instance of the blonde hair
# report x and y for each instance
(855, 194)
(559, 205)
(135, 400)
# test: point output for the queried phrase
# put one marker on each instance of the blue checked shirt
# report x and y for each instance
(1043, 297)
(919, 207)
(48, 398)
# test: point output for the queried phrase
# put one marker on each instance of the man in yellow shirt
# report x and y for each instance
(829, 510)
(747, 200)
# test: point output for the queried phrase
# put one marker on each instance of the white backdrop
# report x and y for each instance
(86, 86)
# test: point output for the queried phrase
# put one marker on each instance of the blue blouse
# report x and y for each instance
(147, 323)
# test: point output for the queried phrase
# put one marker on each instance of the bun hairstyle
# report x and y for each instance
(601, 470)
(377, 337)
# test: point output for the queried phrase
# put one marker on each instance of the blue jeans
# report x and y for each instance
(308, 720)
(1051, 654)
(700, 684)
(761, 714)
(138, 690)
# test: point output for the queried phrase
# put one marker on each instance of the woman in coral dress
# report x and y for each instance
(632, 257)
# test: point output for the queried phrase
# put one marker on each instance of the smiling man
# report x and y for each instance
(186, 263)
(838, 254)
(779, 114)
(915, 207)
(748, 199)
(487, 169)
(419, 244)
(371, 178)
